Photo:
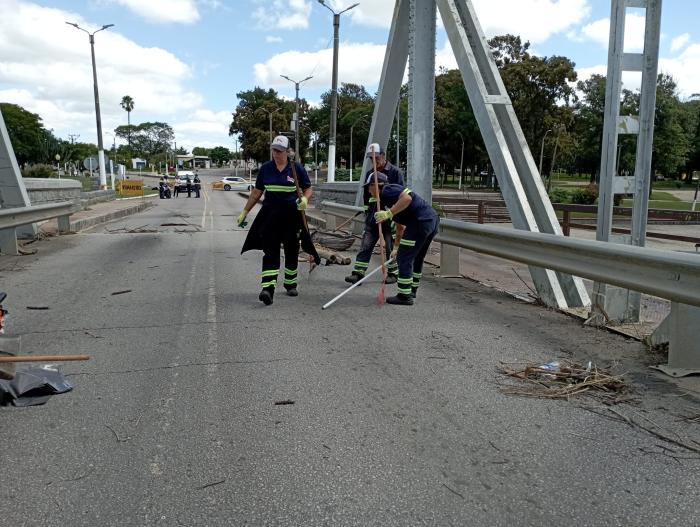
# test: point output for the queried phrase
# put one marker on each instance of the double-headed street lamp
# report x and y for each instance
(334, 88)
(296, 115)
(100, 148)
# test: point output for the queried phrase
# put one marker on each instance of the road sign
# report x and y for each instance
(91, 163)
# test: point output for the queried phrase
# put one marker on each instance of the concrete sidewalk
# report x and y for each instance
(99, 213)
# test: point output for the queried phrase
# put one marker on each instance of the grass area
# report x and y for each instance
(662, 204)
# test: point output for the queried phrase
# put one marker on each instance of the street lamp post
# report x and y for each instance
(100, 148)
(542, 150)
(461, 161)
(334, 88)
(269, 114)
(296, 118)
(352, 126)
(114, 157)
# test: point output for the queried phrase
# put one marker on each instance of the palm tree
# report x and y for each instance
(128, 105)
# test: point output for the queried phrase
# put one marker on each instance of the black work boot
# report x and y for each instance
(353, 278)
(292, 291)
(266, 295)
(414, 290)
(391, 279)
(400, 300)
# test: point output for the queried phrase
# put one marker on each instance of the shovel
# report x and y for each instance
(10, 346)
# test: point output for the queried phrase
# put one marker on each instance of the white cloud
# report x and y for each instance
(685, 70)
(45, 67)
(273, 40)
(599, 31)
(679, 42)
(518, 17)
(163, 11)
(282, 14)
(357, 63)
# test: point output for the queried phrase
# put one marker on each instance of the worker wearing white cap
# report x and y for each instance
(287, 191)
(370, 237)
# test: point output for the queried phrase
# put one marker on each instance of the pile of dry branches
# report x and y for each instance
(564, 382)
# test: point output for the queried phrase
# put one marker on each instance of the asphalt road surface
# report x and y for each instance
(393, 414)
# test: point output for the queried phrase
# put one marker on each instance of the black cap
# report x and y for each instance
(381, 179)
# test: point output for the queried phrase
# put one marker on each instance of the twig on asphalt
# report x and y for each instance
(453, 491)
(212, 484)
(119, 439)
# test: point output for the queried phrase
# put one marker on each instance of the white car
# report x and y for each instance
(235, 183)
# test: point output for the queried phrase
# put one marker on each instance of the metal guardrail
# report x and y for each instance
(667, 274)
(12, 218)
(18, 216)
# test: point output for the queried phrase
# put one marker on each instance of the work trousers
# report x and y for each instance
(282, 229)
(370, 237)
(413, 247)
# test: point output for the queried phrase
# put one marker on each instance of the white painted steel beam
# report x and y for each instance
(12, 190)
(390, 81)
(421, 96)
(518, 176)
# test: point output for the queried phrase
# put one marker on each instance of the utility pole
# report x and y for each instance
(296, 115)
(334, 88)
(100, 147)
(269, 114)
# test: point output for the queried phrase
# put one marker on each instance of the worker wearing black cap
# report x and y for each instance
(416, 226)
(370, 236)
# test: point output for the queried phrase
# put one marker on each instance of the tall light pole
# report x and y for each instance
(100, 148)
(542, 150)
(351, 128)
(296, 115)
(461, 161)
(334, 88)
(269, 114)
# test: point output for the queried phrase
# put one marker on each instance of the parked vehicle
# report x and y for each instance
(181, 181)
(235, 183)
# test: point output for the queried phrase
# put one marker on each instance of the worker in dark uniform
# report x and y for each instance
(188, 186)
(370, 236)
(287, 191)
(416, 225)
(197, 185)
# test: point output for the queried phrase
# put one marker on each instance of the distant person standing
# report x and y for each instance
(197, 185)
(188, 186)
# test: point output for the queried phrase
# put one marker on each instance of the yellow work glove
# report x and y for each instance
(240, 221)
(394, 252)
(302, 203)
(383, 215)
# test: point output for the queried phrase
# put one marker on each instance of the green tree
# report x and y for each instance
(220, 155)
(251, 122)
(540, 87)
(673, 127)
(454, 116)
(31, 142)
(200, 151)
(148, 140)
(128, 105)
(588, 125)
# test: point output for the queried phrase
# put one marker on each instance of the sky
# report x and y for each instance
(184, 61)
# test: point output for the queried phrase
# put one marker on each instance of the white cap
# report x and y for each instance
(280, 143)
(374, 147)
